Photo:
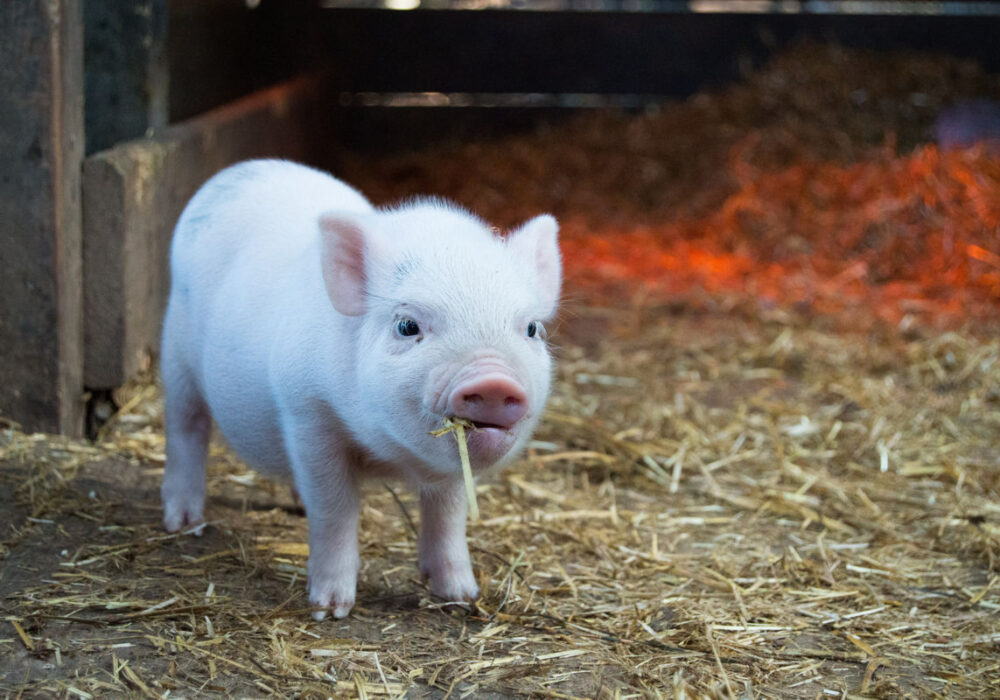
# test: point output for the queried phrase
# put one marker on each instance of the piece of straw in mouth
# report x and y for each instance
(458, 425)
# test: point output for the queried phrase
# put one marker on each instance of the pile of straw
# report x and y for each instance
(717, 505)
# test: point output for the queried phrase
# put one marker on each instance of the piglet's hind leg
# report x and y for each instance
(189, 426)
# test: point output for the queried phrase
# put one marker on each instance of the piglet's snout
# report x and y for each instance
(489, 402)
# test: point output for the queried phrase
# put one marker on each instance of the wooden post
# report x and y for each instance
(41, 150)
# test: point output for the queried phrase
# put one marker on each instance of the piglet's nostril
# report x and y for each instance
(494, 400)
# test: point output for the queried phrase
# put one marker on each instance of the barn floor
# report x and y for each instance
(728, 504)
(769, 467)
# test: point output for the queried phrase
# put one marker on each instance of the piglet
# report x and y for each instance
(328, 338)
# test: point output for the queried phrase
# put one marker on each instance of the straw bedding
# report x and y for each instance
(733, 494)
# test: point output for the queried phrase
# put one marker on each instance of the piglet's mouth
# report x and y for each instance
(481, 425)
(487, 442)
(487, 445)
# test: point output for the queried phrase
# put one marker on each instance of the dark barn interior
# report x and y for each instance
(770, 464)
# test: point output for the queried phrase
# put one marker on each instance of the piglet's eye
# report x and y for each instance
(407, 327)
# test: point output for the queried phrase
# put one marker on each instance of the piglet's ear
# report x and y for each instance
(536, 244)
(346, 248)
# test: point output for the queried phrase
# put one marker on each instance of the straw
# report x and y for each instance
(458, 425)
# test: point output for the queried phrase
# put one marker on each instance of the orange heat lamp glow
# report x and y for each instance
(918, 233)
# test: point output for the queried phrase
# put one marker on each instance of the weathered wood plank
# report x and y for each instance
(41, 148)
(134, 193)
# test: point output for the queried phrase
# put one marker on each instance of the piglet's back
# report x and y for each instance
(260, 214)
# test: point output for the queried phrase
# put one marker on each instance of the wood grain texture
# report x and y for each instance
(41, 147)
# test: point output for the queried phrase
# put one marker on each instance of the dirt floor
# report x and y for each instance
(770, 465)
(744, 506)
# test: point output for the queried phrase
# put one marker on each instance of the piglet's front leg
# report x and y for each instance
(444, 554)
(329, 492)
(333, 562)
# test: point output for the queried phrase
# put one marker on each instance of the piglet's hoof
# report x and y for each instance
(333, 593)
(183, 511)
(453, 582)
(340, 605)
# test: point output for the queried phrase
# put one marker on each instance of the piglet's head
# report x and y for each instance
(447, 319)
